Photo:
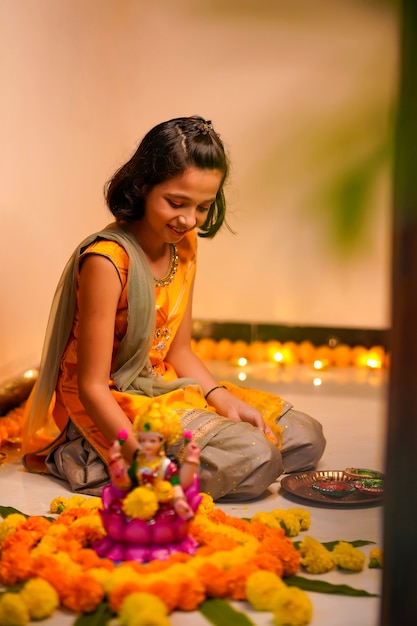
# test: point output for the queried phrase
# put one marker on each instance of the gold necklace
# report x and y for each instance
(173, 266)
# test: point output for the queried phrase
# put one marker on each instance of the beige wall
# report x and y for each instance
(301, 93)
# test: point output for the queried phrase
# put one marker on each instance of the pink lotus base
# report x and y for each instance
(130, 539)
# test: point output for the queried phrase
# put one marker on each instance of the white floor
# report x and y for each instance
(351, 405)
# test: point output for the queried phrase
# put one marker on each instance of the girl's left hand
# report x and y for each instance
(237, 410)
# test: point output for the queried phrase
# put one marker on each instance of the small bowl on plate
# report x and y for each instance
(369, 485)
(333, 488)
(360, 473)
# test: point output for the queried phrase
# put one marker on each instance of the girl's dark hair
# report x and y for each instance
(167, 150)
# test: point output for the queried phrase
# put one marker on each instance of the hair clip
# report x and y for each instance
(205, 127)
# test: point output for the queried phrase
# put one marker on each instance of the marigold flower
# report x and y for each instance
(315, 557)
(117, 594)
(9, 525)
(236, 579)
(262, 588)
(140, 502)
(76, 501)
(58, 505)
(15, 565)
(103, 576)
(82, 594)
(293, 607)
(291, 520)
(214, 580)
(143, 609)
(13, 611)
(348, 557)
(40, 598)
(166, 591)
(164, 491)
(191, 593)
(206, 505)
(376, 558)
(269, 562)
(123, 574)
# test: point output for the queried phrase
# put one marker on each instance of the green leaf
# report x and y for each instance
(12, 589)
(321, 586)
(222, 613)
(357, 543)
(100, 617)
(5, 511)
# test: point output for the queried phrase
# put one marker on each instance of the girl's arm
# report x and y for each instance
(187, 363)
(99, 293)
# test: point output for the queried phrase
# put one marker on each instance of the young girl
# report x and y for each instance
(119, 335)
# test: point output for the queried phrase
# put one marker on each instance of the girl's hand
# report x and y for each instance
(237, 410)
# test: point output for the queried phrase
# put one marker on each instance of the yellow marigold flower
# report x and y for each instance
(206, 505)
(348, 557)
(58, 505)
(304, 518)
(262, 588)
(76, 501)
(376, 558)
(103, 576)
(143, 609)
(291, 520)
(293, 607)
(13, 611)
(10, 524)
(140, 502)
(164, 491)
(71, 568)
(47, 545)
(92, 521)
(94, 504)
(315, 557)
(123, 574)
(56, 529)
(40, 598)
(268, 519)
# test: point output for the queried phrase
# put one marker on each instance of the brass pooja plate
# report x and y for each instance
(301, 485)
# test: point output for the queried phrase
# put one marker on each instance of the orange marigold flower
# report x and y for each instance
(36, 523)
(82, 594)
(214, 580)
(88, 559)
(236, 579)
(217, 516)
(21, 538)
(120, 592)
(46, 567)
(282, 548)
(69, 517)
(268, 562)
(258, 530)
(168, 593)
(191, 593)
(15, 567)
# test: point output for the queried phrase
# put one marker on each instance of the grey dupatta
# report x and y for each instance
(132, 372)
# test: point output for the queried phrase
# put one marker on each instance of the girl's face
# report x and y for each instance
(180, 204)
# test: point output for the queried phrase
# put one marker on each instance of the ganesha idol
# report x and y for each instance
(148, 506)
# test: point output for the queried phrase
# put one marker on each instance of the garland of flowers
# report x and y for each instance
(47, 562)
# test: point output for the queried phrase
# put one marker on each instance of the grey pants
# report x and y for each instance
(237, 462)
